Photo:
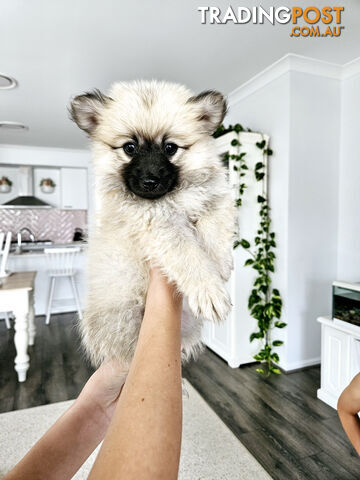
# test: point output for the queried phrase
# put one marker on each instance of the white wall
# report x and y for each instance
(312, 211)
(47, 156)
(297, 103)
(349, 184)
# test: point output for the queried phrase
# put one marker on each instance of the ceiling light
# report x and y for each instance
(6, 82)
(13, 125)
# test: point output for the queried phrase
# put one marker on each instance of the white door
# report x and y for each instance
(74, 192)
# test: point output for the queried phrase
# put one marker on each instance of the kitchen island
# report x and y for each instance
(63, 296)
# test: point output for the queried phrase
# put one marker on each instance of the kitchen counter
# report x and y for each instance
(63, 296)
(40, 252)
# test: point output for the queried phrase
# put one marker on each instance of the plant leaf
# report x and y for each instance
(261, 144)
(244, 243)
(275, 370)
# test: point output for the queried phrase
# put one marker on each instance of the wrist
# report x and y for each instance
(92, 409)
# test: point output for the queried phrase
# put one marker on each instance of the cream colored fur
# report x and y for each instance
(188, 232)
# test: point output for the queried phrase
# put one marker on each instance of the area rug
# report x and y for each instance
(209, 451)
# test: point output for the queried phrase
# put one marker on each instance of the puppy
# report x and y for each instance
(162, 198)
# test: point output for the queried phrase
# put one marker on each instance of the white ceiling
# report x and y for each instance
(58, 48)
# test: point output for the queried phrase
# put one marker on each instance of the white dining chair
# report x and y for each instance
(60, 263)
(7, 320)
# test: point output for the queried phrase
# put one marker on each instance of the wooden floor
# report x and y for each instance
(57, 370)
(291, 433)
(279, 420)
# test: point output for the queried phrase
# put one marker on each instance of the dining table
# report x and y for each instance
(17, 296)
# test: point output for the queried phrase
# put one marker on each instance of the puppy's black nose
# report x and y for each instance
(150, 184)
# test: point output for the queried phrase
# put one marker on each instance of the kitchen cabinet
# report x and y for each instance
(74, 191)
(12, 174)
(53, 198)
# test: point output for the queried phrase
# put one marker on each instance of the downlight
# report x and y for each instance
(7, 82)
(12, 126)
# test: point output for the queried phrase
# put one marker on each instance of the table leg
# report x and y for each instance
(32, 328)
(21, 339)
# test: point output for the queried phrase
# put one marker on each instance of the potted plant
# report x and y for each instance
(5, 184)
(47, 185)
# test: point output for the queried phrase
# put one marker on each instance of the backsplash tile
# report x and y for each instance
(56, 225)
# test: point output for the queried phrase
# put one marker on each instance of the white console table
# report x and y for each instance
(340, 358)
(16, 295)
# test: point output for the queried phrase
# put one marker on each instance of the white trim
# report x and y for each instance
(289, 367)
(259, 80)
(62, 305)
(294, 63)
(347, 285)
(351, 69)
(345, 327)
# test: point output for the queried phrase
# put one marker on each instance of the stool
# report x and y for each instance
(60, 263)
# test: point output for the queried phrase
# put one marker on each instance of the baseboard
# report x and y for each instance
(65, 305)
(291, 367)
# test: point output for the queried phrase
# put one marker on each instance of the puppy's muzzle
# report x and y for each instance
(150, 184)
(150, 177)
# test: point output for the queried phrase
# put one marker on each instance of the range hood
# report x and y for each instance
(26, 198)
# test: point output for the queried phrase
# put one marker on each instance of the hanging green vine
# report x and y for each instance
(264, 303)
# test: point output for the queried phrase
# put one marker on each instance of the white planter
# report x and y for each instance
(5, 188)
(47, 188)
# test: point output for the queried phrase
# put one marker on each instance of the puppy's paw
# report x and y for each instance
(224, 265)
(211, 302)
(225, 271)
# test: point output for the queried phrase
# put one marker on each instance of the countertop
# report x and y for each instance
(39, 253)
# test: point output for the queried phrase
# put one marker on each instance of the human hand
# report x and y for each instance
(101, 392)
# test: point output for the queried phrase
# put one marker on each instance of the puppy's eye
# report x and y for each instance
(170, 148)
(130, 148)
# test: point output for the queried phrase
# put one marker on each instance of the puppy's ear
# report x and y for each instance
(84, 110)
(212, 109)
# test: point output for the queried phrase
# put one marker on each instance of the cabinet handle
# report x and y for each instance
(68, 206)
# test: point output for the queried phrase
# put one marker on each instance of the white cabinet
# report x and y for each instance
(12, 174)
(71, 186)
(54, 198)
(230, 340)
(340, 358)
(74, 191)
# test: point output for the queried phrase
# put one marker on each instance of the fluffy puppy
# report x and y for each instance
(162, 198)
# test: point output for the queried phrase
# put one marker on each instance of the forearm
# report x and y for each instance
(144, 438)
(348, 407)
(65, 447)
(351, 425)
